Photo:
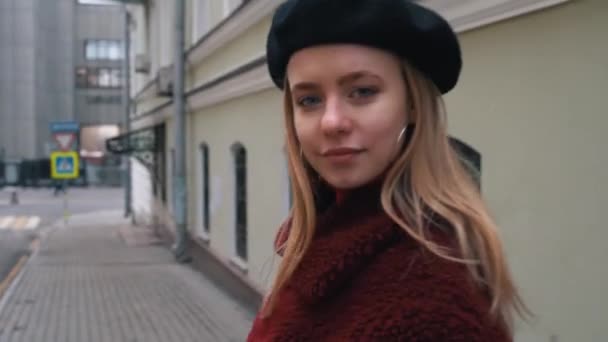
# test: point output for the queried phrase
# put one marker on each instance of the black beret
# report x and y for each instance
(411, 31)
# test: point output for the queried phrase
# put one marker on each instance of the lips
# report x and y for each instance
(341, 155)
(341, 151)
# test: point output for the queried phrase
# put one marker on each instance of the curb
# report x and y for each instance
(12, 280)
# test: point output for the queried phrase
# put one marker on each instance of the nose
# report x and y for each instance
(335, 120)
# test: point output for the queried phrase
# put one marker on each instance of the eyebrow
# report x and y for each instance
(350, 77)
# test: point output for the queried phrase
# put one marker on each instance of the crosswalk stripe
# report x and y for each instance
(6, 222)
(20, 222)
(32, 222)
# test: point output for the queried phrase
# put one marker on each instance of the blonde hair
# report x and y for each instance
(426, 176)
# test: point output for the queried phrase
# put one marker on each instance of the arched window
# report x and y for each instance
(288, 181)
(204, 151)
(239, 154)
(470, 157)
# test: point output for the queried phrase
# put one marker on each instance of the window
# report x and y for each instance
(470, 158)
(115, 50)
(172, 178)
(90, 50)
(204, 150)
(200, 22)
(230, 6)
(104, 78)
(103, 49)
(288, 183)
(91, 77)
(289, 194)
(240, 168)
(81, 77)
(115, 78)
(97, 2)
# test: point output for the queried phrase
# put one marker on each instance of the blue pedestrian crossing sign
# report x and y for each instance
(64, 165)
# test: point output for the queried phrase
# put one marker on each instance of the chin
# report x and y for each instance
(345, 182)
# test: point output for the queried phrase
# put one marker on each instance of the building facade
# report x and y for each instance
(36, 77)
(60, 61)
(98, 96)
(530, 100)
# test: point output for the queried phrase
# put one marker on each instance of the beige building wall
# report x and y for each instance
(255, 121)
(533, 101)
(235, 53)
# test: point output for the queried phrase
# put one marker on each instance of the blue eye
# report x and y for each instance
(363, 92)
(309, 101)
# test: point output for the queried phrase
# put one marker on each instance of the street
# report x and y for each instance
(37, 209)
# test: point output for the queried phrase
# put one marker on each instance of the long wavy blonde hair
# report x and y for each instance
(427, 175)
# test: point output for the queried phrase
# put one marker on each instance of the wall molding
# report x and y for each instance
(243, 18)
(466, 15)
(253, 76)
(147, 90)
(156, 116)
(249, 78)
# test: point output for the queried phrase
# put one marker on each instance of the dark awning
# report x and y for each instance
(143, 140)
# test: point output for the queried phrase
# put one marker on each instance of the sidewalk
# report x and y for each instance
(87, 284)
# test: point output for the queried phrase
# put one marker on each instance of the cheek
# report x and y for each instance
(305, 130)
(385, 142)
(384, 138)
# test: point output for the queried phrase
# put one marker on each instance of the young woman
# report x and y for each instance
(388, 238)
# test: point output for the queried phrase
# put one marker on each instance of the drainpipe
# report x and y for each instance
(127, 104)
(179, 178)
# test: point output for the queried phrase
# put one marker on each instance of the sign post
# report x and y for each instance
(64, 165)
(65, 135)
(65, 161)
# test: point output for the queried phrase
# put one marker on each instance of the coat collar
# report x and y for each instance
(349, 233)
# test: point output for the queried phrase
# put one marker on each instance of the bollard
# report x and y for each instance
(14, 197)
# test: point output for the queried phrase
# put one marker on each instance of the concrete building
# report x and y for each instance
(60, 61)
(531, 100)
(36, 73)
(98, 101)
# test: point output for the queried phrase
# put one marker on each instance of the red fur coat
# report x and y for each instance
(363, 279)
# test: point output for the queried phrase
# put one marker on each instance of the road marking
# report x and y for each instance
(32, 223)
(6, 222)
(15, 271)
(20, 222)
(12, 274)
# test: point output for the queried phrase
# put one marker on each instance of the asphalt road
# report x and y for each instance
(39, 208)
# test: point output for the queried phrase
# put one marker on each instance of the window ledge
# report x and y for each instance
(204, 236)
(239, 263)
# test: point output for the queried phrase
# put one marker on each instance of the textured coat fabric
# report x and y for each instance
(402, 27)
(363, 279)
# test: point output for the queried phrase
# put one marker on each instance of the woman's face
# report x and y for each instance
(349, 109)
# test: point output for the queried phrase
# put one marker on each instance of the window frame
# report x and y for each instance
(95, 45)
(241, 240)
(205, 192)
(230, 6)
(201, 19)
(115, 77)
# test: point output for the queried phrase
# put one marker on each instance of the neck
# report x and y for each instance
(374, 186)
(340, 195)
